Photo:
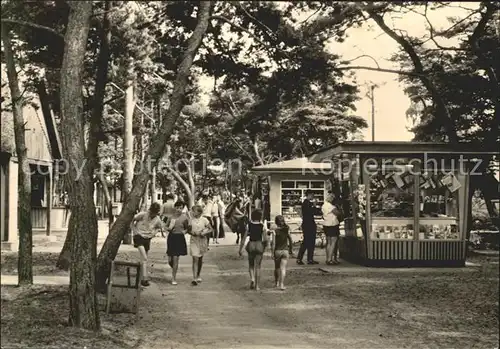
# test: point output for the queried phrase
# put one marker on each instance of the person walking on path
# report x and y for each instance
(243, 209)
(178, 225)
(215, 219)
(65, 202)
(200, 228)
(222, 214)
(309, 229)
(281, 249)
(232, 215)
(207, 205)
(235, 218)
(331, 226)
(168, 209)
(144, 227)
(258, 239)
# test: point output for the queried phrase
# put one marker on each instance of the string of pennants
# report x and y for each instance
(406, 179)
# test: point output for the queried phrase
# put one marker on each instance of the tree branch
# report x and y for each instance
(383, 70)
(325, 22)
(238, 144)
(368, 56)
(33, 25)
(485, 17)
(179, 179)
(446, 31)
(270, 34)
(190, 174)
(312, 14)
(432, 33)
(255, 144)
(446, 121)
(224, 19)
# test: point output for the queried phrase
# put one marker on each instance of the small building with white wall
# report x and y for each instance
(288, 182)
(43, 149)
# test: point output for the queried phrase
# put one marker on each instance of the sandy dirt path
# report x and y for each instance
(223, 313)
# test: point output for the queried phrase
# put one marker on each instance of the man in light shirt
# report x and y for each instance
(331, 226)
(207, 206)
(215, 219)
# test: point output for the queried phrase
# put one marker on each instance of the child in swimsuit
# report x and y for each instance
(257, 232)
(281, 249)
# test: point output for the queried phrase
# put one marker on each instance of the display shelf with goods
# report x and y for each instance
(439, 206)
(392, 229)
(438, 229)
(392, 194)
(360, 201)
(294, 192)
(392, 203)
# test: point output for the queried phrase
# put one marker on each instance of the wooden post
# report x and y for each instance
(353, 186)
(49, 199)
(416, 212)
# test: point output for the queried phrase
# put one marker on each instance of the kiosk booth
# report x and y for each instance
(288, 182)
(410, 200)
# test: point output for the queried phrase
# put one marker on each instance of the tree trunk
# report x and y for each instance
(128, 149)
(153, 186)
(107, 197)
(185, 185)
(144, 205)
(96, 124)
(141, 162)
(469, 222)
(84, 310)
(128, 141)
(100, 90)
(158, 144)
(64, 260)
(489, 187)
(192, 186)
(156, 107)
(255, 145)
(24, 265)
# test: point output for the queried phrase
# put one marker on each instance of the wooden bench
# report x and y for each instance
(124, 297)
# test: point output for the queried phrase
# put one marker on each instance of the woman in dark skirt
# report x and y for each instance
(177, 226)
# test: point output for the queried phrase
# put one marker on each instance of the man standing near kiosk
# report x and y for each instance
(309, 229)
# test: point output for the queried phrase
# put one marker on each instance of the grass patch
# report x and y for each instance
(44, 263)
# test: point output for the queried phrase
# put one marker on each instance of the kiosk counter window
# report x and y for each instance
(394, 195)
(392, 200)
(293, 193)
(439, 206)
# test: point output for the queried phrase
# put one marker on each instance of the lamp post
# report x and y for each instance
(372, 99)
